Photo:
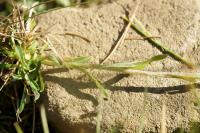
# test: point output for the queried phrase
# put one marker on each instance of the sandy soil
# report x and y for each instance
(71, 102)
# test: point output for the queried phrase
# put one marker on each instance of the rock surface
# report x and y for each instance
(71, 101)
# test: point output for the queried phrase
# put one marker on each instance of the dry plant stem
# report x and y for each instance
(143, 38)
(12, 72)
(163, 118)
(100, 100)
(99, 113)
(53, 49)
(179, 75)
(164, 74)
(4, 35)
(123, 36)
(76, 35)
(137, 25)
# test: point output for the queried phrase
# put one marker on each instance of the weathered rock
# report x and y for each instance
(71, 101)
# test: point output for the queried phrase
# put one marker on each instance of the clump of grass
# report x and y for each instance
(23, 52)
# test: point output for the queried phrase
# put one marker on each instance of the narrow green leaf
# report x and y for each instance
(19, 53)
(41, 81)
(21, 104)
(51, 61)
(32, 24)
(17, 77)
(44, 119)
(132, 65)
(5, 66)
(97, 83)
(81, 60)
(157, 58)
(191, 77)
(63, 2)
(18, 128)
(7, 52)
(77, 61)
(33, 46)
(138, 27)
(34, 86)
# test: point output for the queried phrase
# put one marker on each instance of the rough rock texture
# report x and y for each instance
(71, 101)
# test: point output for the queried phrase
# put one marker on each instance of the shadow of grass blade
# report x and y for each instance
(97, 83)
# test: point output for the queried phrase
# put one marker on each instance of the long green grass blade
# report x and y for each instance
(137, 25)
(191, 77)
(51, 61)
(44, 119)
(41, 82)
(21, 104)
(76, 62)
(133, 65)
(18, 128)
(34, 86)
(5, 65)
(19, 53)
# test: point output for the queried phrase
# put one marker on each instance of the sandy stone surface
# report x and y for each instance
(71, 101)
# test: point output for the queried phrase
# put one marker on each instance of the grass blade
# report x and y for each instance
(126, 65)
(44, 119)
(5, 65)
(191, 77)
(19, 53)
(99, 114)
(97, 83)
(34, 86)
(18, 128)
(41, 82)
(76, 62)
(21, 104)
(137, 25)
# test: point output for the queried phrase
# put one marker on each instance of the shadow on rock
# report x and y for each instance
(73, 86)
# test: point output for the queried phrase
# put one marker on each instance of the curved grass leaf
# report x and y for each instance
(139, 27)
(77, 61)
(21, 105)
(51, 61)
(34, 86)
(98, 84)
(41, 82)
(19, 53)
(5, 66)
(18, 128)
(132, 65)
(17, 77)
(191, 77)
